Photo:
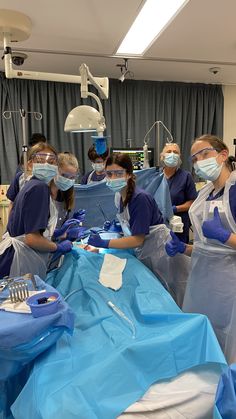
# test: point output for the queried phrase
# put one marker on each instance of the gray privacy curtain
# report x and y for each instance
(188, 110)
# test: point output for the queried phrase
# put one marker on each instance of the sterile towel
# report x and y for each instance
(20, 307)
(111, 271)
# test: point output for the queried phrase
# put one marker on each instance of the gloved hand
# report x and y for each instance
(79, 215)
(174, 246)
(213, 229)
(63, 247)
(107, 225)
(174, 208)
(96, 241)
(113, 226)
(60, 231)
(75, 233)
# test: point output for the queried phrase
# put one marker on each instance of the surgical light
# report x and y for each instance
(85, 118)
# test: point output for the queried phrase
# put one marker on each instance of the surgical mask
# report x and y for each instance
(44, 171)
(63, 183)
(99, 167)
(171, 159)
(116, 184)
(208, 169)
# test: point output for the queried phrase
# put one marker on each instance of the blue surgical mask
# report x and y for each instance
(116, 184)
(208, 169)
(44, 171)
(98, 167)
(63, 183)
(171, 159)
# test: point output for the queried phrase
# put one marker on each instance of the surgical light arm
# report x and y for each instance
(85, 78)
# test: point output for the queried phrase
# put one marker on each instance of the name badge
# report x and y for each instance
(214, 204)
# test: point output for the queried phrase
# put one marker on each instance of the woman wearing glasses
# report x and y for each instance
(24, 248)
(61, 186)
(137, 209)
(143, 227)
(211, 287)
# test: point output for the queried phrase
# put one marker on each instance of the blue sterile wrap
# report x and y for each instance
(107, 365)
(225, 405)
(22, 337)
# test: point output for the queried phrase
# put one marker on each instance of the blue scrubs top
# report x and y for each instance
(143, 211)
(14, 187)
(182, 189)
(95, 177)
(29, 214)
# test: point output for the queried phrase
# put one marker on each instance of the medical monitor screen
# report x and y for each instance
(136, 155)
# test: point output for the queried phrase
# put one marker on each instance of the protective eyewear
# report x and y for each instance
(115, 173)
(69, 175)
(204, 153)
(49, 158)
(99, 161)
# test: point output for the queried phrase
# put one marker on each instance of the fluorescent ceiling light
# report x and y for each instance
(150, 22)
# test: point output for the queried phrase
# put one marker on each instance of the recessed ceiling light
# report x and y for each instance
(150, 22)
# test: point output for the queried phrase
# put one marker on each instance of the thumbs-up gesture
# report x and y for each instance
(213, 229)
(174, 245)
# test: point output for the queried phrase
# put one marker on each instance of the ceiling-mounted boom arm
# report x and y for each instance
(101, 83)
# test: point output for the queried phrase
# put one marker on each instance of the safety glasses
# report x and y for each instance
(115, 173)
(99, 161)
(67, 175)
(49, 158)
(204, 154)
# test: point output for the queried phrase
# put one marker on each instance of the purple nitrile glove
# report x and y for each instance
(96, 241)
(79, 215)
(115, 227)
(107, 225)
(75, 233)
(174, 208)
(63, 247)
(69, 223)
(213, 229)
(175, 245)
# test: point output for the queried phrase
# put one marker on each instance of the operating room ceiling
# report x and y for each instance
(66, 33)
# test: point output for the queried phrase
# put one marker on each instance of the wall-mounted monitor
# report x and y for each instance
(136, 155)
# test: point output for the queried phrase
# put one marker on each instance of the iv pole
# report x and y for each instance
(23, 114)
(146, 141)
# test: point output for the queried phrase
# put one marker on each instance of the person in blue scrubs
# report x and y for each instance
(143, 227)
(20, 178)
(137, 209)
(61, 187)
(35, 138)
(24, 249)
(181, 185)
(98, 164)
(211, 286)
